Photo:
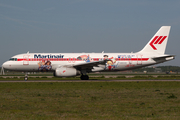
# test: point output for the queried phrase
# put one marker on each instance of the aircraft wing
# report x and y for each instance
(89, 65)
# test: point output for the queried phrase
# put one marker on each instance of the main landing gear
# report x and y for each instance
(84, 77)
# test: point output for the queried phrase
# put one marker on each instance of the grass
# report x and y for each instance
(120, 77)
(90, 100)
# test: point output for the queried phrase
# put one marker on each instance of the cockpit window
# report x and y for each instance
(13, 59)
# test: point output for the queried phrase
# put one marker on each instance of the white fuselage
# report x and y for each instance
(117, 61)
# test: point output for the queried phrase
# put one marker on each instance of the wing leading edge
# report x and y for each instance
(89, 65)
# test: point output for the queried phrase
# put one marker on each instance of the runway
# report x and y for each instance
(86, 81)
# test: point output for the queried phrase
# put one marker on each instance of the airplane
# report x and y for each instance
(74, 64)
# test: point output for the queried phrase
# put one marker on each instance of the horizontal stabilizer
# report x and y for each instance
(166, 57)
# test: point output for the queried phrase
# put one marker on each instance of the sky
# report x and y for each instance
(70, 26)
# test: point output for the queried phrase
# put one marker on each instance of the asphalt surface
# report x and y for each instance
(84, 80)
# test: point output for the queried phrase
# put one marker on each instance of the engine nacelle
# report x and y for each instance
(66, 72)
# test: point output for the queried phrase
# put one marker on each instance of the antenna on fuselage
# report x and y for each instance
(28, 52)
(102, 51)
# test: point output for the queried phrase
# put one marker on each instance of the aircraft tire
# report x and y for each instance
(25, 78)
(84, 77)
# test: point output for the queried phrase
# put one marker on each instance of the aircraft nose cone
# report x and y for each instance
(5, 65)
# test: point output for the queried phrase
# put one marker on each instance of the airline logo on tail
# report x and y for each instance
(157, 40)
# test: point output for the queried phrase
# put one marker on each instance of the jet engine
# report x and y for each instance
(66, 72)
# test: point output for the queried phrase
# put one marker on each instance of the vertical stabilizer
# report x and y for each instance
(157, 44)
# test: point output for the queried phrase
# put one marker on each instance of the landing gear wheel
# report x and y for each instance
(84, 77)
(25, 78)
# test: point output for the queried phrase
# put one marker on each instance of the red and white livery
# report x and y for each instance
(73, 64)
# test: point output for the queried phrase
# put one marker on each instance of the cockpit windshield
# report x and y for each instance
(13, 59)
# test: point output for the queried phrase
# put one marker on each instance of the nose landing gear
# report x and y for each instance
(2, 71)
(26, 76)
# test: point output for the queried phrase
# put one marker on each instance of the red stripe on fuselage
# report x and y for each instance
(74, 59)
